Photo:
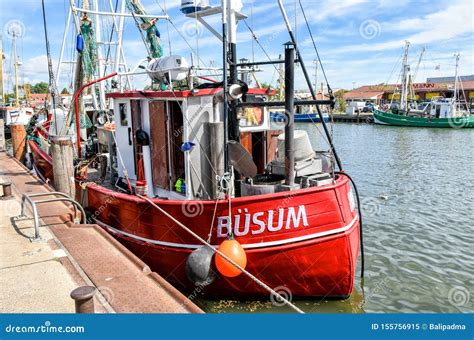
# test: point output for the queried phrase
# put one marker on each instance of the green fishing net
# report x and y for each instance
(85, 121)
(156, 51)
(89, 53)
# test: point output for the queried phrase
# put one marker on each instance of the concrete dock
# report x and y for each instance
(365, 117)
(37, 276)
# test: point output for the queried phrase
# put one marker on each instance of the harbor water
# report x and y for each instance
(417, 191)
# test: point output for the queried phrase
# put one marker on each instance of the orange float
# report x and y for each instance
(233, 250)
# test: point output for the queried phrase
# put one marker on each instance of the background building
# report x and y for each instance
(442, 86)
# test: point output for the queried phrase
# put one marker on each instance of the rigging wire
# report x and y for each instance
(110, 38)
(361, 235)
(315, 48)
(251, 23)
(280, 72)
(183, 37)
(326, 135)
(227, 258)
(141, 33)
(167, 29)
(393, 69)
(52, 83)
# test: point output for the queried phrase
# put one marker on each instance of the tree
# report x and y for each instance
(65, 91)
(26, 89)
(9, 97)
(341, 104)
(41, 87)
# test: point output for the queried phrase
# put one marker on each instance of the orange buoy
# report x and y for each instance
(232, 249)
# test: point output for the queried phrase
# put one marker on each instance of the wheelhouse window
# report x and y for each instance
(252, 117)
(123, 114)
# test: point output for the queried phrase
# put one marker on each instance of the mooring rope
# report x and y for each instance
(215, 250)
(361, 235)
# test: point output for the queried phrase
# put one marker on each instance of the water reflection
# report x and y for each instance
(417, 191)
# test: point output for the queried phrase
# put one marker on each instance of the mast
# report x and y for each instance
(405, 79)
(2, 82)
(456, 80)
(315, 62)
(308, 83)
(281, 80)
(290, 114)
(224, 86)
(63, 45)
(118, 51)
(15, 65)
(52, 83)
(234, 131)
(418, 64)
(100, 59)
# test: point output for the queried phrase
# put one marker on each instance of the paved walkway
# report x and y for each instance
(32, 278)
(38, 276)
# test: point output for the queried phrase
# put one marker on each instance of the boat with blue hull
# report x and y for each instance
(279, 117)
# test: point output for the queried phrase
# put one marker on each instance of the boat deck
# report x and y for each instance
(88, 255)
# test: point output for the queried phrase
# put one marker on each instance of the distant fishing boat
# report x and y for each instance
(279, 117)
(174, 173)
(440, 112)
(17, 113)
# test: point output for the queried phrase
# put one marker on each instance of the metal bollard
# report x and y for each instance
(84, 299)
(7, 190)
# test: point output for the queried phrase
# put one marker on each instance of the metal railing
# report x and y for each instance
(33, 203)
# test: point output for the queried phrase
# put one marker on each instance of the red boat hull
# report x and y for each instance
(42, 163)
(306, 241)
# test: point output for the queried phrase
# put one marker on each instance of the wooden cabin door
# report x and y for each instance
(136, 111)
(159, 144)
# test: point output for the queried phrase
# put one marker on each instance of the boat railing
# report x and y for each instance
(64, 198)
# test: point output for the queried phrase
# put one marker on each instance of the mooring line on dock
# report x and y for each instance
(29, 264)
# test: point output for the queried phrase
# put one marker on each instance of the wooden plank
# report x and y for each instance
(246, 141)
(159, 144)
(272, 144)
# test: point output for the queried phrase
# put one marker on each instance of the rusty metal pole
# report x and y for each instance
(84, 299)
(63, 164)
(290, 113)
(18, 140)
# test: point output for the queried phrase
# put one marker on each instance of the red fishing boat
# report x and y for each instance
(207, 158)
(306, 240)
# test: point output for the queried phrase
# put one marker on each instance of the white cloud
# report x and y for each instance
(448, 23)
(331, 9)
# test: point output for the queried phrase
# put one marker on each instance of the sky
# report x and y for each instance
(360, 41)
